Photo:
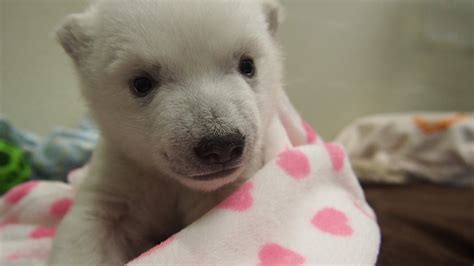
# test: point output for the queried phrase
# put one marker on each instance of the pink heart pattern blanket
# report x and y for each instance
(304, 207)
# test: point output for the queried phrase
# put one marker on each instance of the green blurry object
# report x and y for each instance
(14, 169)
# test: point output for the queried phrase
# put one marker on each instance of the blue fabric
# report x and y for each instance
(54, 156)
(26, 141)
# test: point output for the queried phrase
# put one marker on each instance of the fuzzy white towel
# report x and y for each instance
(405, 147)
(304, 207)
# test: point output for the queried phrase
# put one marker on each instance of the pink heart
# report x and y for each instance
(8, 221)
(60, 207)
(332, 221)
(274, 254)
(311, 135)
(41, 231)
(295, 163)
(19, 192)
(337, 155)
(30, 255)
(240, 200)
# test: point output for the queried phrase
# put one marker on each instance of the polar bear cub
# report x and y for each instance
(182, 92)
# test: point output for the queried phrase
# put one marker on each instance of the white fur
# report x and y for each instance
(139, 188)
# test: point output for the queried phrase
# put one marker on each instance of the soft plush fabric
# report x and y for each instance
(399, 148)
(55, 155)
(29, 214)
(304, 207)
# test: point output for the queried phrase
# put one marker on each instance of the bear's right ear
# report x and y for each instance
(74, 35)
(273, 13)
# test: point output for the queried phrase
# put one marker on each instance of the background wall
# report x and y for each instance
(38, 89)
(344, 59)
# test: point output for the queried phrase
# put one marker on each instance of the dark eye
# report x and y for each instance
(142, 86)
(247, 67)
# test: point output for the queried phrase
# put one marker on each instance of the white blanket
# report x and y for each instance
(304, 207)
(399, 148)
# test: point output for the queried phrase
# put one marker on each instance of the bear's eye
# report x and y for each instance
(142, 86)
(247, 67)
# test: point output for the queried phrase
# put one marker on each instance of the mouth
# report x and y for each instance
(219, 172)
(215, 175)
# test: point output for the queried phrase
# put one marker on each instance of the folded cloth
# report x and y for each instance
(26, 141)
(304, 207)
(399, 148)
(62, 151)
(29, 214)
(54, 156)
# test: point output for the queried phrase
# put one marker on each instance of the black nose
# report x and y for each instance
(220, 149)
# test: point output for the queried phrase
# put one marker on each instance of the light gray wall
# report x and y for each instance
(344, 59)
(351, 58)
(38, 86)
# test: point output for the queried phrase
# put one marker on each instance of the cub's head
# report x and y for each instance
(181, 88)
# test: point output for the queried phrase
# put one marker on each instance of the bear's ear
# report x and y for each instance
(273, 13)
(74, 35)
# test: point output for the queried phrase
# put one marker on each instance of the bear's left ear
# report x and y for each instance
(273, 13)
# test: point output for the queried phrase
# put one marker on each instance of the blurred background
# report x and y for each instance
(344, 59)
